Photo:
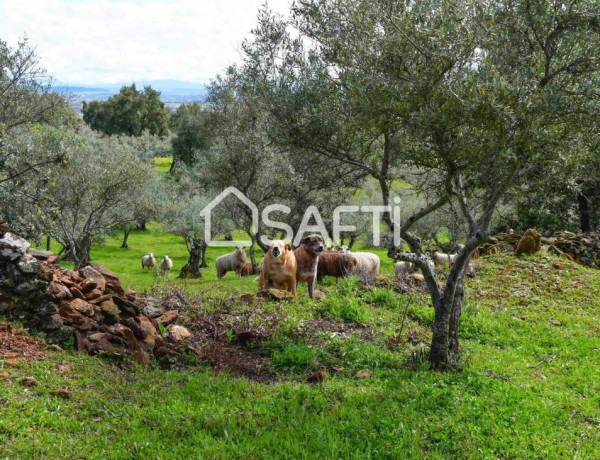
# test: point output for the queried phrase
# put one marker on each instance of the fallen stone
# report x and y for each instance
(178, 333)
(29, 382)
(278, 294)
(317, 377)
(364, 374)
(168, 317)
(63, 393)
(11, 362)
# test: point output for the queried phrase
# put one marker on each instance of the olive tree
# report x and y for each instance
(86, 198)
(471, 95)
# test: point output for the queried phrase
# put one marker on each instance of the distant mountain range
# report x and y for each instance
(173, 92)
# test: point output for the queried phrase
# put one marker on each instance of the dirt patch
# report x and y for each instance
(17, 343)
(231, 341)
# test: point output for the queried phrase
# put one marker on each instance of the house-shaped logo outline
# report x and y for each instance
(207, 212)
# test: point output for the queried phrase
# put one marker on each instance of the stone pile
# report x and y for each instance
(579, 247)
(89, 306)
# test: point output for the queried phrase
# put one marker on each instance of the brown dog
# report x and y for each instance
(307, 259)
(278, 268)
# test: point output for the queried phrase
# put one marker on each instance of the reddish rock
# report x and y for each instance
(76, 293)
(130, 294)
(95, 337)
(4, 375)
(72, 317)
(74, 276)
(125, 333)
(82, 306)
(141, 356)
(82, 344)
(111, 278)
(11, 362)
(100, 300)
(88, 285)
(319, 376)
(66, 281)
(150, 334)
(364, 374)
(91, 274)
(60, 291)
(106, 346)
(93, 294)
(29, 382)
(63, 393)
(167, 317)
(52, 260)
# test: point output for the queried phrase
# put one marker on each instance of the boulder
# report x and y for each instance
(152, 307)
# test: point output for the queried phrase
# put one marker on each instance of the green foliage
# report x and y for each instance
(192, 129)
(130, 112)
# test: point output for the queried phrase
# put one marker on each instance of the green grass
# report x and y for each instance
(163, 164)
(529, 388)
(127, 262)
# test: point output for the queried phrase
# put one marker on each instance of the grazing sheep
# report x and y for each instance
(402, 268)
(232, 262)
(367, 266)
(335, 264)
(166, 265)
(440, 258)
(148, 261)
(246, 269)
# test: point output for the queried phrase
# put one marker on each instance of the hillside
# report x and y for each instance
(528, 387)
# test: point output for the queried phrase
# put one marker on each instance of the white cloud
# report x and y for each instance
(108, 41)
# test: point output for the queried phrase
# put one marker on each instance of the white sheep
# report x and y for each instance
(233, 261)
(402, 268)
(367, 266)
(166, 265)
(440, 258)
(148, 261)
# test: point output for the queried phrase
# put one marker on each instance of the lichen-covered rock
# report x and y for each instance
(530, 243)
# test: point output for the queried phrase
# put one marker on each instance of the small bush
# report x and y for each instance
(294, 356)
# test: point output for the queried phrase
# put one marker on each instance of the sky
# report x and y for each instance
(115, 41)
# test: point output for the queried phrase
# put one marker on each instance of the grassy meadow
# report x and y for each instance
(529, 385)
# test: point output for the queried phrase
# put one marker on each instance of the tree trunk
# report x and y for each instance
(126, 232)
(455, 313)
(82, 252)
(203, 247)
(584, 212)
(252, 252)
(439, 353)
(192, 268)
(141, 226)
(48, 241)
